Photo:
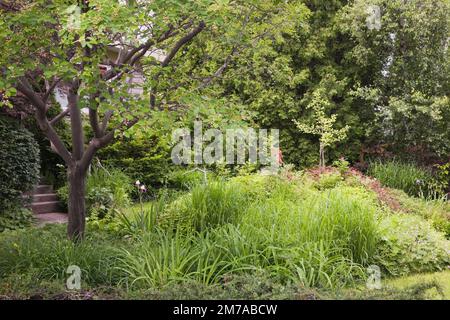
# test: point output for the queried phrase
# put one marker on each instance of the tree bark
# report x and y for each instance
(322, 156)
(77, 206)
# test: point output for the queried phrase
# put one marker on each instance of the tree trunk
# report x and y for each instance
(322, 156)
(77, 205)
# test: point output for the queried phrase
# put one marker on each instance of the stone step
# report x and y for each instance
(45, 207)
(52, 217)
(43, 189)
(45, 197)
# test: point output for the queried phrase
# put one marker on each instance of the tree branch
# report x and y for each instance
(132, 57)
(191, 35)
(180, 43)
(54, 138)
(220, 70)
(60, 116)
(93, 120)
(24, 86)
(106, 118)
(98, 143)
(50, 90)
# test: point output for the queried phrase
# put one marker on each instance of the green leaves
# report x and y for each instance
(322, 125)
(19, 163)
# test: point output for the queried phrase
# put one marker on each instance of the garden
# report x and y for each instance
(119, 180)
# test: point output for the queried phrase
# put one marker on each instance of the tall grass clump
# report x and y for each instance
(141, 220)
(158, 259)
(337, 216)
(404, 176)
(323, 240)
(309, 237)
(206, 206)
(46, 253)
(164, 258)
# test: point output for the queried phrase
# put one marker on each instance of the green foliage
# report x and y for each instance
(215, 29)
(440, 280)
(206, 206)
(437, 211)
(389, 85)
(258, 285)
(299, 235)
(342, 165)
(314, 61)
(405, 73)
(144, 157)
(280, 79)
(19, 172)
(421, 290)
(142, 220)
(46, 253)
(441, 179)
(185, 179)
(408, 177)
(108, 189)
(328, 181)
(338, 219)
(322, 125)
(19, 161)
(285, 233)
(15, 216)
(411, 245)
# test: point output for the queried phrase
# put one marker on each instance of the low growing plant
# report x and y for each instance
(409, 244)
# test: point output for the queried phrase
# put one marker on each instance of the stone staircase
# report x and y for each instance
(46, 206)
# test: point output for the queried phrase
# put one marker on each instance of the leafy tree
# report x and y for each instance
(46, 44)
(391, 83)
(404, 76)
(277, 81)
(322, 125)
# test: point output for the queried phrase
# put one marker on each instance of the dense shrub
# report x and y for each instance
(411, 245)
(19, 160)
(106, 189)
(19, 172)
(184, 179)
(328, 181)
(143, 157)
